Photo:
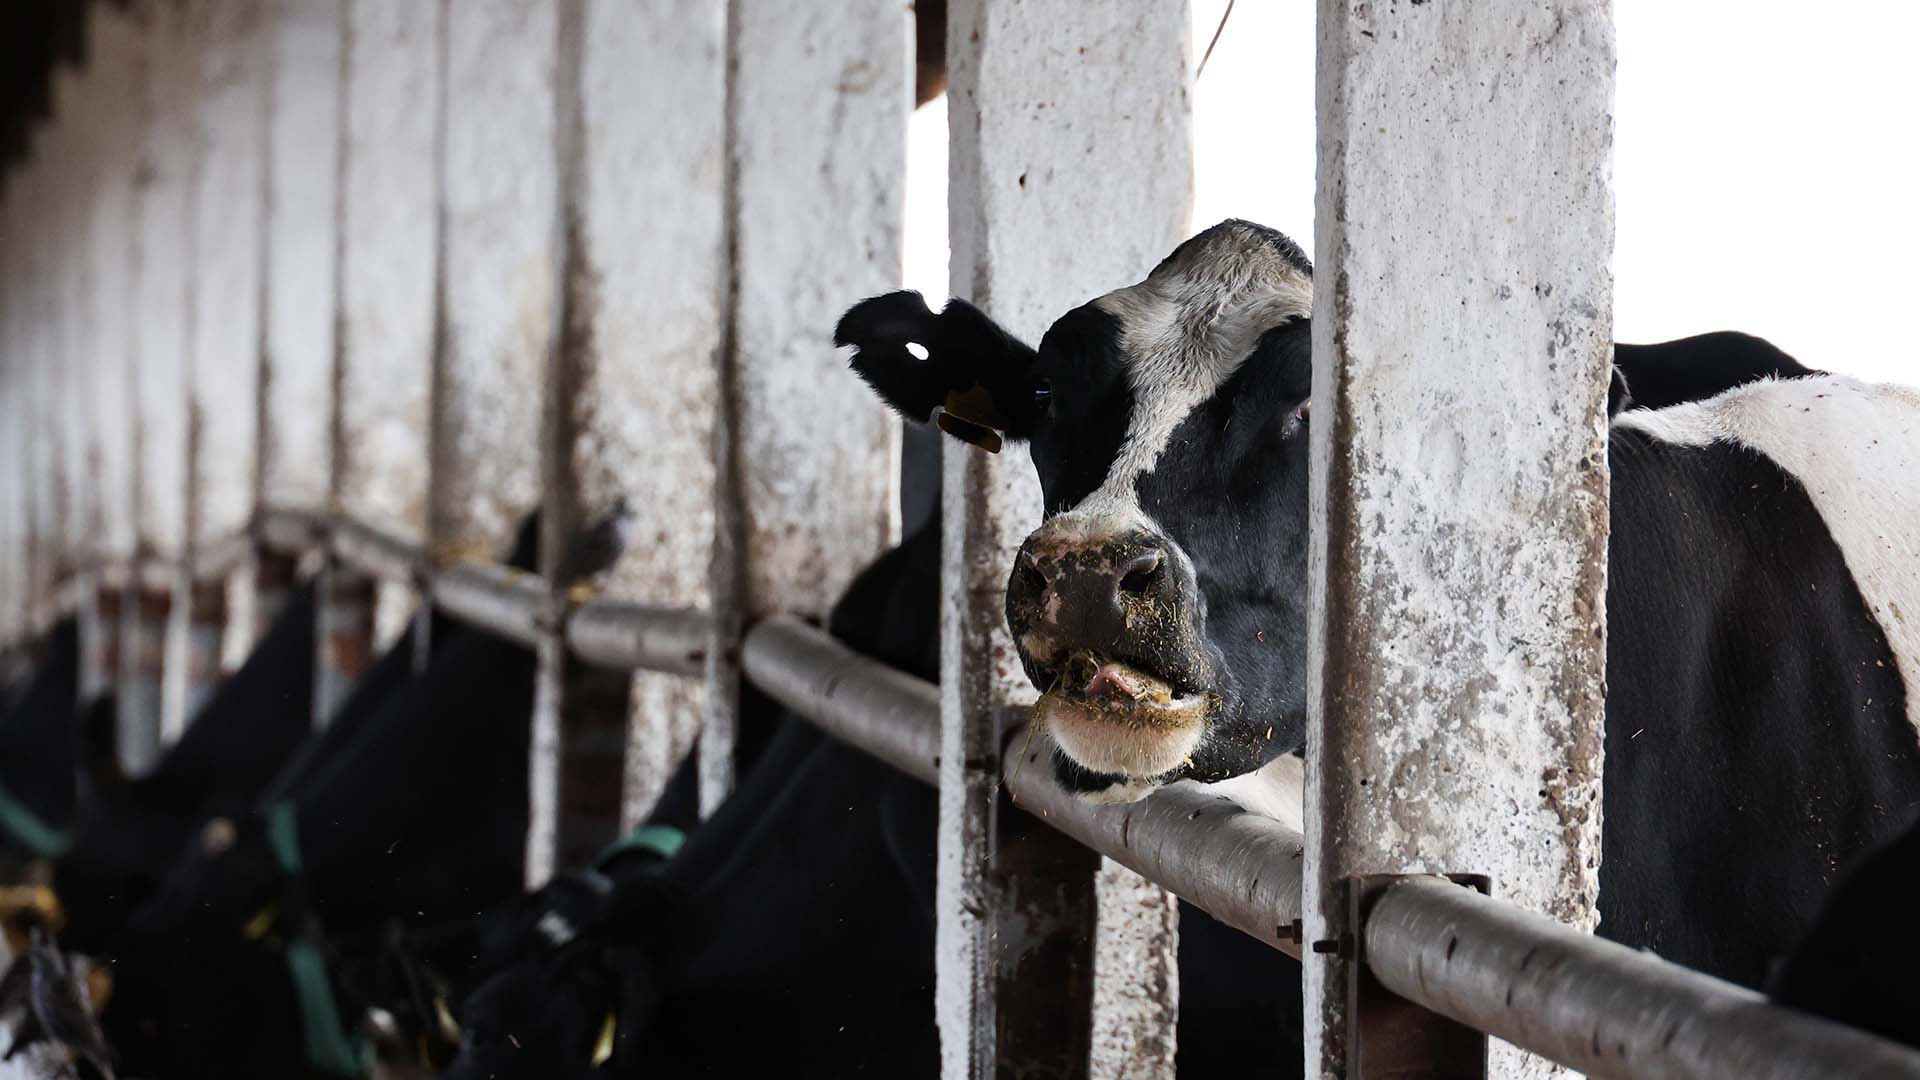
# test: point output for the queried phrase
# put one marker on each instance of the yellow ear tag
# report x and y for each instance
(603, 1047)
(967, 431)
(449, 1028)
(99, 988)
(258, 926)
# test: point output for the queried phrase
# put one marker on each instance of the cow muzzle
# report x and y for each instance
(1107, 629)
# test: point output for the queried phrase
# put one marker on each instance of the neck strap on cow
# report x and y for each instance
(330, 1048)
(661, 840)
(33, 833)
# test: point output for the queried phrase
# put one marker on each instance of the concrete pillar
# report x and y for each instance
(164, 263)
(501, 273)
(1459, 544)
(389, 252)
(644, 296)
(117, 60)
(1071, 166)
(224, 406)
(302, 242)
(820, 100)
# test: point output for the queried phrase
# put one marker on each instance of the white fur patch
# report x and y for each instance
(1276, 790)
(1184, 331)
(1855, 447)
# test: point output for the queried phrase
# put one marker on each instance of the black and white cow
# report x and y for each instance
(1763, 589)
(38, 738)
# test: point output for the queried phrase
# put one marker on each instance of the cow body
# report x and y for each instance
(1760, 567)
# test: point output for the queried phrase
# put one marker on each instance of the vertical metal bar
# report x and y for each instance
(143, 667)
(344, 638)
(807, 474)
(643, 370)
(1462, 336)
(206, 634)
(100, 624)
(274, 574)
(1021, 218)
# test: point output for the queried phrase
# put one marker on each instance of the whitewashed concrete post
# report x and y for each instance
(1461, 332)
(809, 466)
(384, 337)
(633, 407)
(224, 405)
(117, 64)
(153, 654)
(301, 238)
(1071, 167)
(497, 191)
(500, 203)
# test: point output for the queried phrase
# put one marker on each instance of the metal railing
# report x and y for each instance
(1577, 999)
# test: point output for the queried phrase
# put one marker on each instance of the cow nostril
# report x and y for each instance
(1138, 573)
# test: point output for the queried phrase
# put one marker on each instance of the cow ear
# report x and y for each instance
(1619, 395)
(957, 367)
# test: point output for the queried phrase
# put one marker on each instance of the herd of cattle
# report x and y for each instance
(279, 901)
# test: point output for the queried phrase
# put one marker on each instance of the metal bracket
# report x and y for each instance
(1387, 1035)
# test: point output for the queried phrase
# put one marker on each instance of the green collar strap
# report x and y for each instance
(33, 833)
(330, 1048)
(661, 840)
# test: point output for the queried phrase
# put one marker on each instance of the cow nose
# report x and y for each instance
(1090, 591)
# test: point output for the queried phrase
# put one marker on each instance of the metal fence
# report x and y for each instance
(352, 283)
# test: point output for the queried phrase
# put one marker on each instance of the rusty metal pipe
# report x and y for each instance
(1596, 1006)
(375, 553)
(889, 714)
(612, 634)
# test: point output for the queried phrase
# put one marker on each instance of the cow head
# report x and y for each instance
(1160, 607)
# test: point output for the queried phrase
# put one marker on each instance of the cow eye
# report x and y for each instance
(1043, 394)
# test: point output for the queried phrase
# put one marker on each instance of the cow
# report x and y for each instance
(1761, 582)
(38, 740)
(1856, 963)
(412, 803)
(253, 738)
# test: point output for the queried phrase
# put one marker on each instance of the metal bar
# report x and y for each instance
(1241, 867)
(344, 637)
(375, 553)
(635, 637)
(206, 630)
(500, 599)
(143, 662)
(1595, 1006)
(891, 715)
(217, 559)
(292, 532)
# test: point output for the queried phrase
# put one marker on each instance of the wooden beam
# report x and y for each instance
(1461, 338)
